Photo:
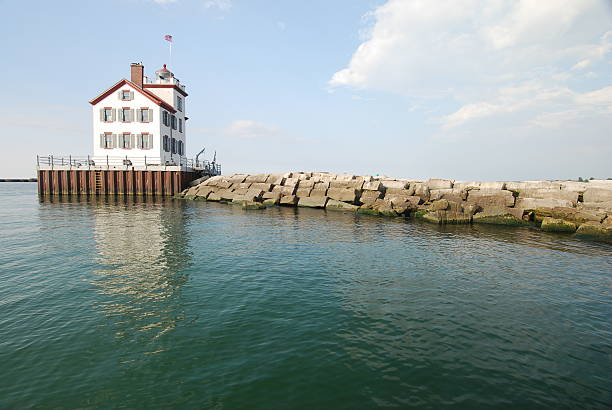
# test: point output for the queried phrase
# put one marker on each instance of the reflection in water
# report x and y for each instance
(143, 246)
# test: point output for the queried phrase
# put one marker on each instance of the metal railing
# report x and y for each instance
(116, 162)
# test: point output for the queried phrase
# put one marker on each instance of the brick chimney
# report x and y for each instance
(137, 74)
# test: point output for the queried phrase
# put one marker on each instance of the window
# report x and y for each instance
(107, 114)
(173, 122)
(173, 146)
(125, 114)
(125, 95)
(145, 141)
(144, 114)
(166, 118)
(125, 140)
(179, 103)
(166, 144)
(180, 148)
(106, 141)
(180, 125)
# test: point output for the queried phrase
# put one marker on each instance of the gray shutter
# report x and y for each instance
(138, 115)
(131, 95)
(132, 115)
(120, 140)
(113, 115)
(133, 141)
(150, 141)
(139, 141)
(102, 139)
(150, 117)
(119, 94)
(101, 114)
(114, 141)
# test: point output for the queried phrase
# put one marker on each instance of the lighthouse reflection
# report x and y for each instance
(142, 247)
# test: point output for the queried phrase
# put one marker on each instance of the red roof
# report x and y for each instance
(146, 93)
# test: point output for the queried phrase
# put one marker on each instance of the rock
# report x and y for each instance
(596, 231)
(597, 195)
(444, 217)
(203, 191)
(352, 184)
(370, 196)
(289, 200)
(344, 195)
(214, 196)
(393, 184)
(303, 192)
(577, 216)
(488, 198)
(321, 186)
(521, 186)
(574, 186)
(598, 206)
(275, 179)
(271, 202)
(271, 195)
(212, 181)
(313, 202)
(257, 178)
(422, 191)
(450, 194)
(494, 186)
(289, 190)
(439, 183)
(224, 184)
(250, 205)
(334, 205)
(291, 182)
(557, 225)
(533, 203)
(499, 216)
(191, 192)
(547, 193)
(236, 178)
(373, 186)
(198, 181)
(262, 186)
(439, 205)
(306, 183)
(318, 192)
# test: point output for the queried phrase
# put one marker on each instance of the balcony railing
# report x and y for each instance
(125, 162)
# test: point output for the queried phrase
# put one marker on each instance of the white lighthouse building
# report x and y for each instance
(142, 119)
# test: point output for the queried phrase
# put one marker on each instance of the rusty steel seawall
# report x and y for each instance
(113, 182)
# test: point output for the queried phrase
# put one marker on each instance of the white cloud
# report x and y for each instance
(247, 129)
(221, 5)
(503, 63)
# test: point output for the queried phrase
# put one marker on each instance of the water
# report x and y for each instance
(180, 304)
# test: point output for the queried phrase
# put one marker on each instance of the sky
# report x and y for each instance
(461, 89)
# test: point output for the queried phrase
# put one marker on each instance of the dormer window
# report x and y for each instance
(179, 103)
(126, 95)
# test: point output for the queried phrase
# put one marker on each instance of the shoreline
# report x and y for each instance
(582, 209)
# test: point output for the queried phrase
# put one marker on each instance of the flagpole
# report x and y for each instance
(170, 55)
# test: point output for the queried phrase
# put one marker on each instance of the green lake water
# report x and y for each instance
(182, 304)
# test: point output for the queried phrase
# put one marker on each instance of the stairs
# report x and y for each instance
(98, 185)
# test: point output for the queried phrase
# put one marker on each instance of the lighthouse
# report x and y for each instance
(139, 143)
(141, 118)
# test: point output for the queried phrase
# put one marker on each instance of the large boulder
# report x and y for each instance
(212, 181)
(523, 185)
(577, 216)
(313, 202)
(548, 193)
(289, 190)
(394, 184)
(436, 183)
(597, 206)
(261, 185)
(499, 216)
(344, 194)
(373, 186)
(487, 198)
(350, 184)
(535, 203)
(257, 178)
(334, 205)
(597, 195)
(318, 192)
(496, 186)
(557, 225)
(303, 192)
(422, 191)
(369, 196)
(289, 200)
(596, 231)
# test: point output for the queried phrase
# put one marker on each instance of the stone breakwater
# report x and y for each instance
(580, 208)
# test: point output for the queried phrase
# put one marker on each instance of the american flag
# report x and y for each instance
(168, 37)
